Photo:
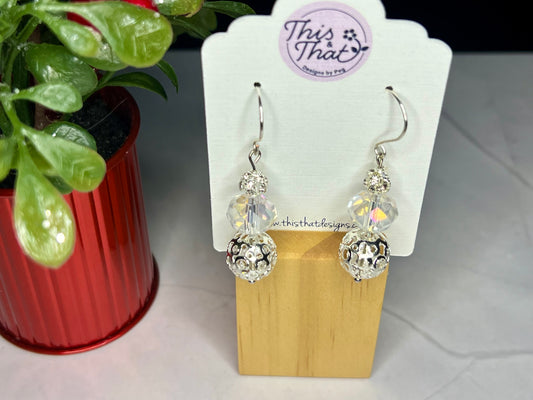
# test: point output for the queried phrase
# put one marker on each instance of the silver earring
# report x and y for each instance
(251, 254)
(364, 252)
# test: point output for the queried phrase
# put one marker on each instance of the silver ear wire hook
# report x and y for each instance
(257, 86)
(255, 154)
(379, 149)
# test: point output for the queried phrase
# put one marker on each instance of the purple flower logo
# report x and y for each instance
(325, 41)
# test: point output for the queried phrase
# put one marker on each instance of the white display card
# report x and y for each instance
(323, 67)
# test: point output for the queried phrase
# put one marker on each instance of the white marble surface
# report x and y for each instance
(458, 314)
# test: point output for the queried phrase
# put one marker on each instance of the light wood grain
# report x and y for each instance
(309, 317)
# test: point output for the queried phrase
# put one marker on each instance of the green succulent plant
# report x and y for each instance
(57, 54)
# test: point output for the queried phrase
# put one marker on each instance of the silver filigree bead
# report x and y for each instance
(363, 254)
(251, 257)
(377, 181)
(253, 183)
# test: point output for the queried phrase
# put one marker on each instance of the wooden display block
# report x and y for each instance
(309, 317)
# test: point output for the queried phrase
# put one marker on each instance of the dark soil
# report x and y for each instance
(108, 128)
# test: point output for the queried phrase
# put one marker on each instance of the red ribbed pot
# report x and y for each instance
(111, 279)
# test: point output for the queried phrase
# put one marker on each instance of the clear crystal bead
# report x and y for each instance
(251, 214)
(372, 212)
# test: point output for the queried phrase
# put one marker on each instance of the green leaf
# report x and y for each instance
(105, 59)
(140, 80)
(71, 132)
(40, 162)
(21, 79)
(140, 37)
(79, 166)
(232, 8)
(5, 126)
(43, 221)
(188, 25)
(7, 153)
(168, 70)
(52, 63)
(83, 41)
(205, 21)
(79, 39)
(60, 184)
(7, 26)
(179, 7)
(61, 97)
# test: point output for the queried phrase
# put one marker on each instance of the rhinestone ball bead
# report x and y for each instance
(253, 183)
(251, 257)
(363, 254)
(377, 181)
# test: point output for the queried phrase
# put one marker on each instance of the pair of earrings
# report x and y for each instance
(363, 252)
